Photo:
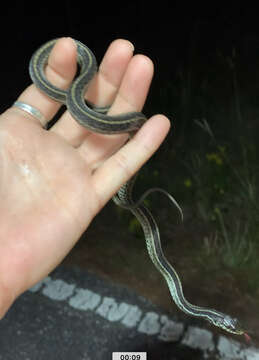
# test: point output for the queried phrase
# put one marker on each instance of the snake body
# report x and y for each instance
(98, 121)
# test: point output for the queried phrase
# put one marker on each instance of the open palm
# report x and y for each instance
(52, 183)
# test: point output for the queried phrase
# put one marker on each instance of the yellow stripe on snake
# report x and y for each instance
(100, 122)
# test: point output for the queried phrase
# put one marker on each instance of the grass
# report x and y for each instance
(231, 200)
(210, 163)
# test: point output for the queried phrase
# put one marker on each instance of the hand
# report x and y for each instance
(52, 183)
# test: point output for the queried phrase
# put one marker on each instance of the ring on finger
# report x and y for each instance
(31, 110)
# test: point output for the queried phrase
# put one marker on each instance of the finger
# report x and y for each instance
(134, 87)
(130, 97)
(119, 168)
(102, 89)
(60, 71)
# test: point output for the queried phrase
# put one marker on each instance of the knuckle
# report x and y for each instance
(122, 162)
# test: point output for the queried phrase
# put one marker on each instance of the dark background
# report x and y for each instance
(171, 34)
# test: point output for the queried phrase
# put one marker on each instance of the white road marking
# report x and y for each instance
(148, 323)
(58, 290)
(133, 316)
(85, 300)
(171, 330)
(198, 338)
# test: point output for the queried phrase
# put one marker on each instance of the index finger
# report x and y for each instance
(60, 71)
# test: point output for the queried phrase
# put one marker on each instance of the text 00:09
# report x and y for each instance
(129, 356)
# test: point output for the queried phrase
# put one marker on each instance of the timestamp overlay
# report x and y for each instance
(129, 356)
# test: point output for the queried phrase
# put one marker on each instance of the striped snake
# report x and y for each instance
(98, 121)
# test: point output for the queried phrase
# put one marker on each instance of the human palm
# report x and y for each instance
(52, 183)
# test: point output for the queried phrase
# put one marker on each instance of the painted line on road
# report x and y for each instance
(148, 323)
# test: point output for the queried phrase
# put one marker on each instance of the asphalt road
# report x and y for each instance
(75, 315)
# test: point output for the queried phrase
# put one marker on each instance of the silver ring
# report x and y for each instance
(31, 110)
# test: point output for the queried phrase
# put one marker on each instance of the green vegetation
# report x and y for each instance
(226, 191)
(209, 162)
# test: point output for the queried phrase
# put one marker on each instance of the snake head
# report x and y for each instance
(228, 324)
(232, 325)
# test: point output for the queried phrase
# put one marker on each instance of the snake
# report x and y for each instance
(97, 120)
